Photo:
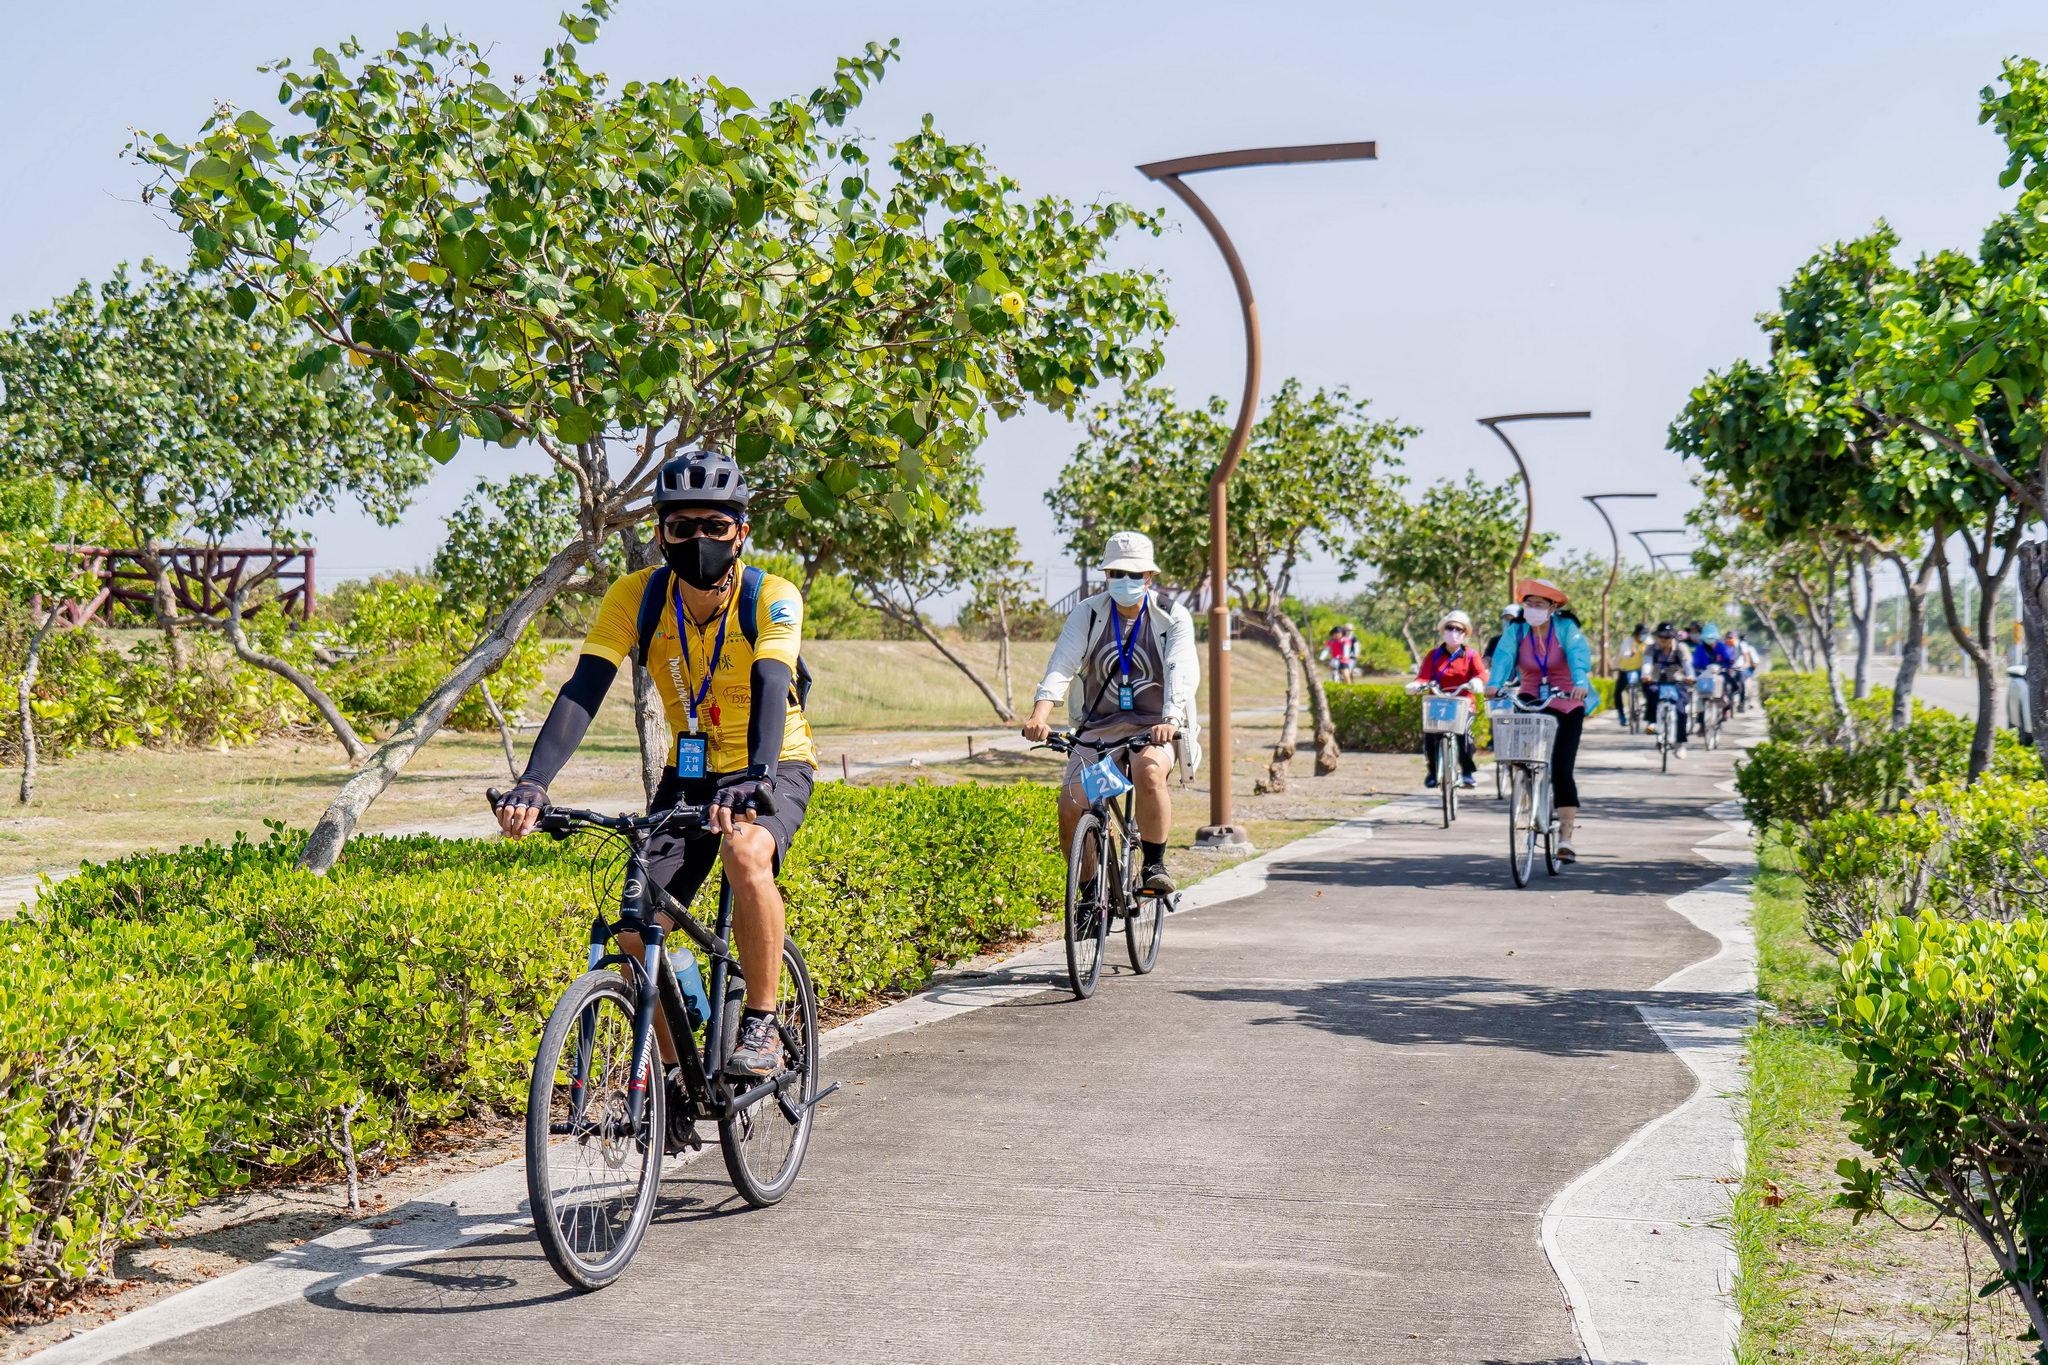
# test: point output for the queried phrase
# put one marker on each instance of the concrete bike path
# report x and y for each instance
(1325, 1130)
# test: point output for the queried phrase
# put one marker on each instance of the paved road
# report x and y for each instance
(1323, 1131)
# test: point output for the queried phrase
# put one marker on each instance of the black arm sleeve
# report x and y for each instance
(770, 684)
(569, 718)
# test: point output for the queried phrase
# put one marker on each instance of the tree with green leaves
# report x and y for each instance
(186, 420)
(616, 274)
(1450, 548)
(1317, 472)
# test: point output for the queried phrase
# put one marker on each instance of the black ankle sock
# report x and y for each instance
(1154, 853)
(749, 1012)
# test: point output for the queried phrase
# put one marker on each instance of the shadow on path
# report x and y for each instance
(1473, 1011)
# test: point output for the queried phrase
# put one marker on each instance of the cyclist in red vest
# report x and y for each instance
(1452, 666)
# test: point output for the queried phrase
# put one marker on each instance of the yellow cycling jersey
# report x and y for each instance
(779, 618)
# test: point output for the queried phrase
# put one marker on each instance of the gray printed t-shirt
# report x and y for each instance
(1100, 677)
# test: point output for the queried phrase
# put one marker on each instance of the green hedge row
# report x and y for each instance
(1802, 773)
(1929, 889)
(1382, 718)
(172, 1025)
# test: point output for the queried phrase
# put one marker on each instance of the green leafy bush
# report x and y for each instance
(1946, 1024)
(1379, 653)
(172, 1025)
(89, 693)
(406, 639)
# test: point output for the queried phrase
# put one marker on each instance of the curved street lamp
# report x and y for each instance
(1220, 832)
(1493, 424)
(1650, 554)
(1614, 571)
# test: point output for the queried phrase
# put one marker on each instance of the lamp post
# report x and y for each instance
(1493, 425)
(1220, 832)
(1614, 571)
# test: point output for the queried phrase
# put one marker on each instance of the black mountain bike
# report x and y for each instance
(600, 1112)
(1107, 836)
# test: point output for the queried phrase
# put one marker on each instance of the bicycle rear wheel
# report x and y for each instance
(1087, 925)
(1521, 825)
(764, 1143)
(592, 1173)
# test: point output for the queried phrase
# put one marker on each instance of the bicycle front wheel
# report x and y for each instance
(1521, 824)
(764, 1143)
(1446, 778)
(1087, 925)
(592, 1170)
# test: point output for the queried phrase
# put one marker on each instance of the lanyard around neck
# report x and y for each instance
(1124, 647)
(693, 701)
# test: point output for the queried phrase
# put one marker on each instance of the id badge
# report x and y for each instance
(1125, 699)
(690, 755)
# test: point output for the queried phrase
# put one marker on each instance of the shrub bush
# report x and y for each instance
(89, 693)
(1946, 1024)
(175, 1024)
(405, 641)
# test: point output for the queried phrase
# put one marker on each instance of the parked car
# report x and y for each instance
(2018, 711)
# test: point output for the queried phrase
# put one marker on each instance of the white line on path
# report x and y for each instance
(493, 1201)
(1640, 1242)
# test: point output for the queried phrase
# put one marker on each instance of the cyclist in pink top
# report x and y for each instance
(1546, 658)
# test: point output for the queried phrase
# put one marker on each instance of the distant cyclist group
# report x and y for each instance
(1683, 680)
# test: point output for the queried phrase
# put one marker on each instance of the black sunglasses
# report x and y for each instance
(1124, 573)
(711, 527)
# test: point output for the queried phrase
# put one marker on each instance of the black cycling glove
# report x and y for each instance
(750, 790)
(525, 792)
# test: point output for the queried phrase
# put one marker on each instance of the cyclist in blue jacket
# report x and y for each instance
(1546, 658)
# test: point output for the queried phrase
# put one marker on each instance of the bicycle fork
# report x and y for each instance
(637, 905)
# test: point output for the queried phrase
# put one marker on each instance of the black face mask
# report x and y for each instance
(701, 561)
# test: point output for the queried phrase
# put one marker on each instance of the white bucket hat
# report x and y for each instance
(1129, 551)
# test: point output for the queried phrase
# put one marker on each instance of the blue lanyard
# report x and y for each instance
(1124, 647)
(694, 701)
(1542, 660)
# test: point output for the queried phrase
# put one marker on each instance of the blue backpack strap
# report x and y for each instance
(750, 602)
(652, 597)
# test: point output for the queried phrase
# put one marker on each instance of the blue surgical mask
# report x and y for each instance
(1127, 592)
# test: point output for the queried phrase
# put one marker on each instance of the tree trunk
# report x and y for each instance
(1864, 620)
(1980, 659)
(351, 743)
(504, 729)
(339, 820)
(1003, 651)
(1290, 717)
(648, 720)
(1820, 615)
(2034, 615)
(1327, 751)
(910, 616)
(164, 605)
(23, 692)
(1408, 639)
(1913, 651)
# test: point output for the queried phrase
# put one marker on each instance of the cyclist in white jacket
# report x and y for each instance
(1125, 663)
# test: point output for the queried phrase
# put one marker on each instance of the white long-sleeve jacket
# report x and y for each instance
(1173, 630)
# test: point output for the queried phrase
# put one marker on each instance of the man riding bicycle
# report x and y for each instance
(1628, 671)
(1667, 662)
(721, 643)
(1130, 659)
(1452, 667)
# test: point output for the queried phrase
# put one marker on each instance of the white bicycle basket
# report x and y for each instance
(1446, 715)
(1523, 737)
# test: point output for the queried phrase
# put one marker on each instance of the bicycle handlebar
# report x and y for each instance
(1063, 741)
(561, 821)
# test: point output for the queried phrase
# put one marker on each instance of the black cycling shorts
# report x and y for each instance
(680, 863)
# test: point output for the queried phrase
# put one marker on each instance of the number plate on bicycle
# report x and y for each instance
(1104, 780)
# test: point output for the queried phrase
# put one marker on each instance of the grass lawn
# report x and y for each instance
(1812, 1286)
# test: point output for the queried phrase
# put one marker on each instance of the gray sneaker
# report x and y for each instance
(759, 1053)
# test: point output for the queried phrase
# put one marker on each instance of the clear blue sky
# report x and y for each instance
(1577, 205)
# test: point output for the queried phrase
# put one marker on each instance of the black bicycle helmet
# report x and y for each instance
(703, 478)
